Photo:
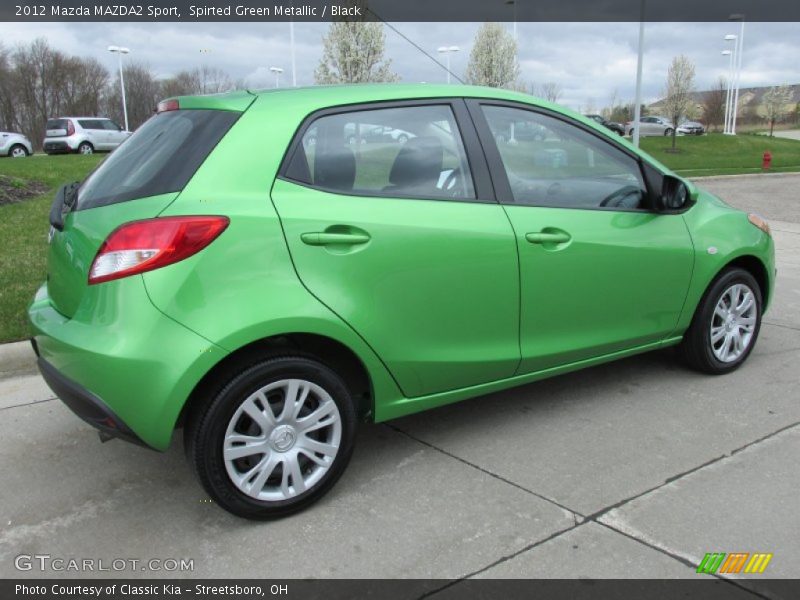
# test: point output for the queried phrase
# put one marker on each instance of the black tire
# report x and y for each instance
(85, 148)
(207, 425)
(667, 132)
(18, 147)
(696, 348)
(402, 138)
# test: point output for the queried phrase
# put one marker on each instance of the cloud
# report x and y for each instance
(589, 60)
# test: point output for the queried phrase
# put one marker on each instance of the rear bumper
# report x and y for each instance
(57, 147)
(85, 404)
(119, 363)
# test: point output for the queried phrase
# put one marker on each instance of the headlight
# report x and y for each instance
(759, 222)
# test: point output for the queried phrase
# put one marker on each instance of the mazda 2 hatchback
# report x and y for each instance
(241, 269)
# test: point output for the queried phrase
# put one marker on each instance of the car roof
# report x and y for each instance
(332, 95)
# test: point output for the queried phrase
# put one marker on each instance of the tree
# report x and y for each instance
(678, 94)
(353, 52)
(142, 93)
(776, 100)
(202, 80)
(493, 59)
(714, 104)
(550, 91)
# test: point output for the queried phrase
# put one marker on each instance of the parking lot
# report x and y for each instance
(632, 469)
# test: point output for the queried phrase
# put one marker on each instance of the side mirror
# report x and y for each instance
(675, 194)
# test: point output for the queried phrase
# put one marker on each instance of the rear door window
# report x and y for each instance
(159, 158)
(410, 151)
(90, 123)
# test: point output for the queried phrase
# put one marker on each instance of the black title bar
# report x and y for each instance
(403, 10)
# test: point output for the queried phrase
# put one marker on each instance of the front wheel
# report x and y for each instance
(726, 324)
(275, 439)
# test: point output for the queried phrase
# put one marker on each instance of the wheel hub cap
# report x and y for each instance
(283, 438)
(733, 323)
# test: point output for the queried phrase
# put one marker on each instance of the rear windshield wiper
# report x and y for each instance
(63, 203)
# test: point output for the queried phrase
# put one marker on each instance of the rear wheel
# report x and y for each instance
(275, 439)
(85, 148)
(726, 324)
(667, 132)
(18, 151)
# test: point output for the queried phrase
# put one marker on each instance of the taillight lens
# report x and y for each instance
(70, 128)
(142, 246)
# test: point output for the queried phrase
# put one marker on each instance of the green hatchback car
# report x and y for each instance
(260, 271)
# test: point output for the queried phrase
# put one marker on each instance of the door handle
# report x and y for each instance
(543, 237)
(323, 238)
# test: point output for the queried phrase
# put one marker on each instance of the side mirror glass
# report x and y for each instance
(674, 194)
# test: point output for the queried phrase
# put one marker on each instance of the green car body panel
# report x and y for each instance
(446, 300)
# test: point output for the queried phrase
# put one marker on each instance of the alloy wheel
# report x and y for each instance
(282, 440)
(733, 323)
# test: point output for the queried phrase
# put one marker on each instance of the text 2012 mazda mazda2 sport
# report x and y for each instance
(265, 270)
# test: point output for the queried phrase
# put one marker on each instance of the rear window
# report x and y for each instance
(57, 123)
(90, 123)
(159, 158)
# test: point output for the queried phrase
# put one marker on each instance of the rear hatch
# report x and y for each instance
(57, 127)
(137, 181)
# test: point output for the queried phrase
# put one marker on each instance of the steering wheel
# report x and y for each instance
(617, 198)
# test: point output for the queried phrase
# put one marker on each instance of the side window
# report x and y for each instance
(87, 123)
(550, 162)
(407, 152)
(109, 125)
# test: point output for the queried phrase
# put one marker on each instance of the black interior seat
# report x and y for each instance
(417, 167)
(335, 169)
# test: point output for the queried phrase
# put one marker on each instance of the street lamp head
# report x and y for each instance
(730, 37)
(119, 49)
(276, 69)
(726, 53)
(454, 48)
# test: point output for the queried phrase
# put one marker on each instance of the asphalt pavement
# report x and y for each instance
(634, 469)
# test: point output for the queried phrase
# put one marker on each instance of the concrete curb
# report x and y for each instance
(740, 176)
(17, 359)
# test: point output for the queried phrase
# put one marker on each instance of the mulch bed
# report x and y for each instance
(14, 190)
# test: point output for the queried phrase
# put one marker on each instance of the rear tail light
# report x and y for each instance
(70, 128)
(142, 246)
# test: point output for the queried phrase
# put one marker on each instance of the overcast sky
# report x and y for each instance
(589, 60)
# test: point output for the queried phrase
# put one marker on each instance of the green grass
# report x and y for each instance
(718, 154)
(23, 231)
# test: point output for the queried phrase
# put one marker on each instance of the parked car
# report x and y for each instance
(617, 128)
(519, 132)
(268, 297)
(15, 145)
(651, 126)
(83, 135)
(691, 128)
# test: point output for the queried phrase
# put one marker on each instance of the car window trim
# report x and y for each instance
(476, 159)
(497, 168)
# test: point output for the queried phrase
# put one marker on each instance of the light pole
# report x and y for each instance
(119, 50)
(728, 89)
(291, 47)
(514, 4)
(447, 50)
(277, 71)
(739, 53)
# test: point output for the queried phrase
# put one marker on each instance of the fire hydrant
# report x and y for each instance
(766, 160)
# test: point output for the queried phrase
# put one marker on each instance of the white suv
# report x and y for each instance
(84, 135)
